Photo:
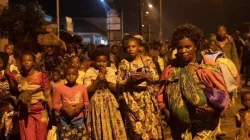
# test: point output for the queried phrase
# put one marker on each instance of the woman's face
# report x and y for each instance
(186, 50)
(27, 62)
(101, 61)
(133, 47)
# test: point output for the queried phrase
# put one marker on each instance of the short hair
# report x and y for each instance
(29, 53)
(5, 57)
(191, 32)
(145, 45)
(9, 44)
(69, 67)
(134, 39)
(70, 59)
(221, 25)
(101, 52)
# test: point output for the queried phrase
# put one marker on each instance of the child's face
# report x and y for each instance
(10, 107)
(71, 75)
(101, 61)
(9, 49)
(163, 50)
(55, 76)
(74, 62)
(246, 101)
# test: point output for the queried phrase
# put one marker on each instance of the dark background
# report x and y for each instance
(206, 14)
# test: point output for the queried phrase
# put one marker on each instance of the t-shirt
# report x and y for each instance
(68, 96)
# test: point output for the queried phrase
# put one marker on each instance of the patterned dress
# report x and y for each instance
(104, 119)
(182, 93)
(243, 119)
(142, 111)
(4, 93)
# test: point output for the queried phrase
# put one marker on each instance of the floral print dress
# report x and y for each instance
(104, 119)
(142, 111)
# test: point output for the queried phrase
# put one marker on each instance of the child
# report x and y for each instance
(243, 118)
(56, 80)
(9, 121)
(101, 80)
(69, 101)
(9, 49)
(74, 62)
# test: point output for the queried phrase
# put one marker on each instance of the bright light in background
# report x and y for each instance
(150, 6)
(147, 12)
(142, 25)
(102, 0)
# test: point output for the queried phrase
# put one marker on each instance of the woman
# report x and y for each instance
(34, 97)
(142, 111)
(104, 118)
(185, 86)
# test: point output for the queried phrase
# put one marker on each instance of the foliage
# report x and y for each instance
(18, 22)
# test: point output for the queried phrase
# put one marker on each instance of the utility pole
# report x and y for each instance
(160, 34)
(141, 5)
(149, 33)
(58, 18)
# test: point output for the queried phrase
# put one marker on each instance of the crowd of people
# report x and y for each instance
(125, 91)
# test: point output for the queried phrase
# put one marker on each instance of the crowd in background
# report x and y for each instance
(125, 90)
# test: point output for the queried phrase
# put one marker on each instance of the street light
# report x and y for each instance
(150, 6)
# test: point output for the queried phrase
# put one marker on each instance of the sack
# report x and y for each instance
(230, 81)
(52, 134)
(216, 98)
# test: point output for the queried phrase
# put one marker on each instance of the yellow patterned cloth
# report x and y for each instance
(104, 120)
(143, 113)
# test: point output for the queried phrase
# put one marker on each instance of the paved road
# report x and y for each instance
(228, 121)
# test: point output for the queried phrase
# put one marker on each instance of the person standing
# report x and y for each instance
(35, 100)
(227, 45)
(135, 76)
(104, 118)
(186, 85)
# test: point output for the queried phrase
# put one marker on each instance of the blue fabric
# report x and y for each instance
(68, 124)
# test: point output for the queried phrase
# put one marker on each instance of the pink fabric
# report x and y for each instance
(208, 77)
(35, 129)
(42, 80)
(65, 96)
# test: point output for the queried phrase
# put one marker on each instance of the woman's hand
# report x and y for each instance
(205, 111)
(140, 75)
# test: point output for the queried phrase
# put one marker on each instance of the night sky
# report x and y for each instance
(206, 14)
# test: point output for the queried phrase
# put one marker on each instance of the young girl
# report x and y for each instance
(9, 121)
(34, 97)
(75, 62)
(243, 118)
(69, 101)
(104, 118)
(137, 76)
(56, 80)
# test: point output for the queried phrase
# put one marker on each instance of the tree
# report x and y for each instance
(19, 23)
